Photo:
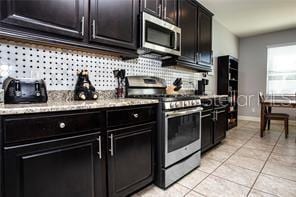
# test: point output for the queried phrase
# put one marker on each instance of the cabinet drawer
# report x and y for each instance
(116, 118)
(36, 127)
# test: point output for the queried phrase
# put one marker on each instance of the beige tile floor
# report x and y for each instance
(242, 165)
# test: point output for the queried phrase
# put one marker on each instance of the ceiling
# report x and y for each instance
(251, 17)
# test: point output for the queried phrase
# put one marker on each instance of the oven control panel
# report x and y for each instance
(182, 104)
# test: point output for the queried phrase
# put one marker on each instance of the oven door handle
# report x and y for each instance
(183, 112)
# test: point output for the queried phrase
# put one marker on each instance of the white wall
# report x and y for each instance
(253, 67)
(224, 43)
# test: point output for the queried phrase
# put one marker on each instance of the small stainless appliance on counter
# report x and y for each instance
(179, 129)
(202, 86)
(24, 90)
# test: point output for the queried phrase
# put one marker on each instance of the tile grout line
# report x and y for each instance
(220, 166)
(265, 163)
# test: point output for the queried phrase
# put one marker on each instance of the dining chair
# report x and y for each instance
(274, 116)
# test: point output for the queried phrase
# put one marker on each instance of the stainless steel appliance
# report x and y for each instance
(202, 86)
(179, 134)
(159, 37)
(24, 90)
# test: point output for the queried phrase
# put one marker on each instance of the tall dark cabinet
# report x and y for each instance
(228, 85)
(196, 42)
(188, 24)
(204, 44)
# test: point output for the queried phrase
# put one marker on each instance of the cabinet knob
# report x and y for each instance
(62, 125)
(136, 115)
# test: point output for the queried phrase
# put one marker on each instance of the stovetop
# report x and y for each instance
(170, 102)
(167, 97)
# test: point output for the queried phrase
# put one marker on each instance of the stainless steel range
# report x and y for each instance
(179, 130)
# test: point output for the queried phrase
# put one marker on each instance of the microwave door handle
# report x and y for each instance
(176, 41)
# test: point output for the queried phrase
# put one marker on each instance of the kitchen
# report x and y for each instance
(141, 98)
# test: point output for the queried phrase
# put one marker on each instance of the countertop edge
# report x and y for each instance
(18, 109)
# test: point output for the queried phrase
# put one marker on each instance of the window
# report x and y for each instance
(281, 70)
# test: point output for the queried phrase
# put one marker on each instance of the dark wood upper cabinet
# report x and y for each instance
(114, 22)
(170, 10)
(152, 7)
(63, 17)
(164, 9)
(204, 38)
(188, 24)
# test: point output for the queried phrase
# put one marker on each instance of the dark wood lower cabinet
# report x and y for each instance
(59, 168)
(98, 157)
(220, 125)
(214, 124)
(130, 159)
(207, 129)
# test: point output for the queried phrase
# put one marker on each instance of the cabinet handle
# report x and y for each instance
(204, 116)
(82, 25)
(136, 115)
(212, 58)
(62, 125)
(165, 10)
(219, 112)
(214, 115)
(100, 147)
(197, 57)
(159, 10)
(111, 145)
(176, 41)
(94, 29)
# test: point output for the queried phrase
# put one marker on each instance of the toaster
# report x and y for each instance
(25, 90)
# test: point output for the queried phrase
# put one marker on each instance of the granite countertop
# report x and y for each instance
(54, 106)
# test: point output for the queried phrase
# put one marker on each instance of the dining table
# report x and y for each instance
(271, 102)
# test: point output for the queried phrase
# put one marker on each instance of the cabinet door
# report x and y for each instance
(188, 24)
(131, 157)
(220, 125)
(204, 38)
(152, 7)
(170, 11)
(206, 131)
(115, 22)
(63, 17)
(70, 167)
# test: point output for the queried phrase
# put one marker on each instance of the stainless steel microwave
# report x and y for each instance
(159, 36)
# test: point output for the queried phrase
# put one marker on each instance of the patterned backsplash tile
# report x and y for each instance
(58, 67)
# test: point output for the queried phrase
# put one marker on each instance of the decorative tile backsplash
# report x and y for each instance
(58, 67)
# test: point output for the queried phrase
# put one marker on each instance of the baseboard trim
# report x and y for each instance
(249, 118)
(257, 119)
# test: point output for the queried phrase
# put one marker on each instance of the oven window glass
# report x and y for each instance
(156, 34)
(182, 131)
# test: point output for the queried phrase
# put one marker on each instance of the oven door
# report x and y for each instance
(161, 36)
(182, 134)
